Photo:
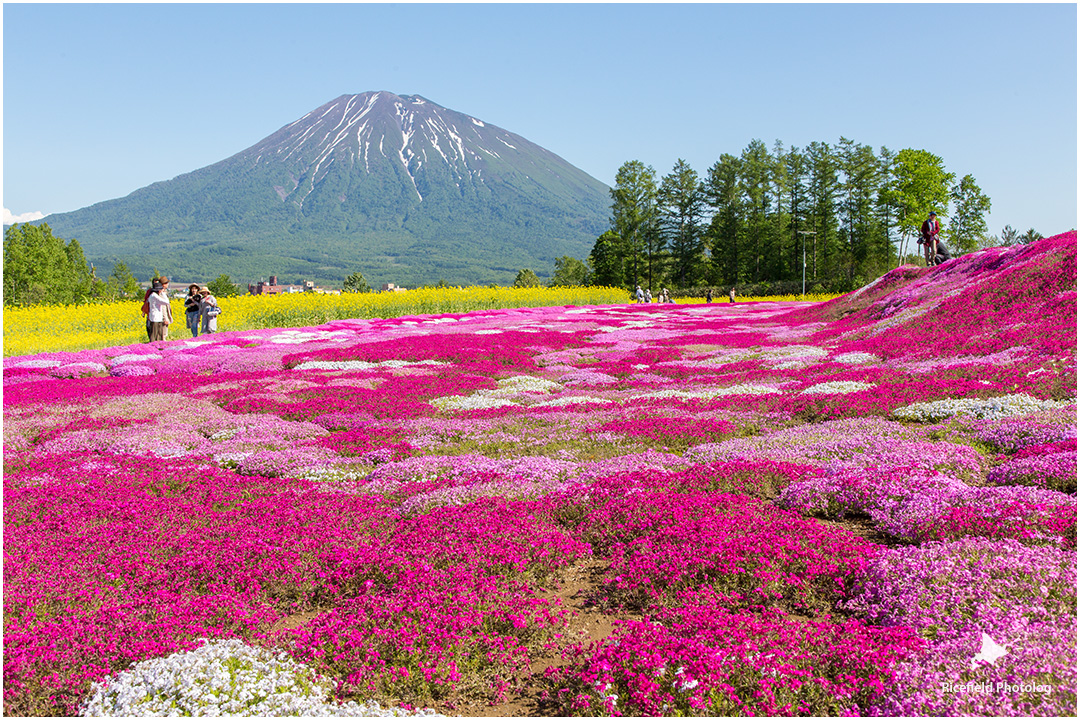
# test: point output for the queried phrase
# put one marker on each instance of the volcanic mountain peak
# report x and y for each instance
(398, 187)
(372, 127)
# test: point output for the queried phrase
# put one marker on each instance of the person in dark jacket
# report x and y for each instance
(191, 309)
(928, 237)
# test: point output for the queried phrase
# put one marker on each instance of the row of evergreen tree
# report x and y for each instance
(851, 212)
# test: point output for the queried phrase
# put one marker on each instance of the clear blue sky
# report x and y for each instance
(100, 100)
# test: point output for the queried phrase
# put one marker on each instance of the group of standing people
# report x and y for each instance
(709, 295)
(645, 296)
(200, 307)
(934, 249)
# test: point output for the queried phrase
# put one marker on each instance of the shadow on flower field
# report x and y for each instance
(865, 506)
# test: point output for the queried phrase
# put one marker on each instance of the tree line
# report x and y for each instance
(851, 212)
(838, 215)
(42, 269)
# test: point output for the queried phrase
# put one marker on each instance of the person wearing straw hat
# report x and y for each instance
(208, 310)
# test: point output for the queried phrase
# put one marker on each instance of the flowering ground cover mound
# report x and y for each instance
(866, 506)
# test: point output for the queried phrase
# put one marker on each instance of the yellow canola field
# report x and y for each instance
(70, 328)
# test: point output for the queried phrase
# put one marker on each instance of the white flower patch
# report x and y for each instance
(131, 357)
(38, 364)
(489, 332)
(574, 400)
(362, 365)
(522, 384)
(230, 459)
(79, 368)
(626, 325)
(296, 337)
(837, 387)
(856, 358)
(223, 677)
(793, 351)
(708, 393)
(990, 409)
(508, 387)
(793, 365)
(469, 402)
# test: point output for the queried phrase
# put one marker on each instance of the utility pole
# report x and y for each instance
(804, 233)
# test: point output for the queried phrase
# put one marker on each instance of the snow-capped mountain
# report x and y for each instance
(396, 187)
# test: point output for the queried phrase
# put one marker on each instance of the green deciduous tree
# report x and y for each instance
(122, 283)
(607, 260)
(922, 185)
(40, 268)
(569, 272)
(355, 283)
(970, 206)
(222, 286)
(526, 278)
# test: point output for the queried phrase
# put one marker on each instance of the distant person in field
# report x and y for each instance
(708, 296)
(191, 309)
(648, 296)
(208, 310)
(159, 311)
(639, 294)
(146, 303)
(731, 295)
(928, 238)
(165, 290)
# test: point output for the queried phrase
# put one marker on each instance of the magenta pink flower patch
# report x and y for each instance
(766, 508)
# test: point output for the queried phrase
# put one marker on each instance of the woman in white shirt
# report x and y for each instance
(160, 315)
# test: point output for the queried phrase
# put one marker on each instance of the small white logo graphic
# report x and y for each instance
(989, 652)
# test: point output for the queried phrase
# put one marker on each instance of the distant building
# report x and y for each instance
(272, 288)
(265, 288)
(391, 287)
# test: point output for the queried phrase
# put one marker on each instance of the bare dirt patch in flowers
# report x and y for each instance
(759, 508)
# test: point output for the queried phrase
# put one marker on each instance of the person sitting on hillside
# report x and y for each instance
(942, 254)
